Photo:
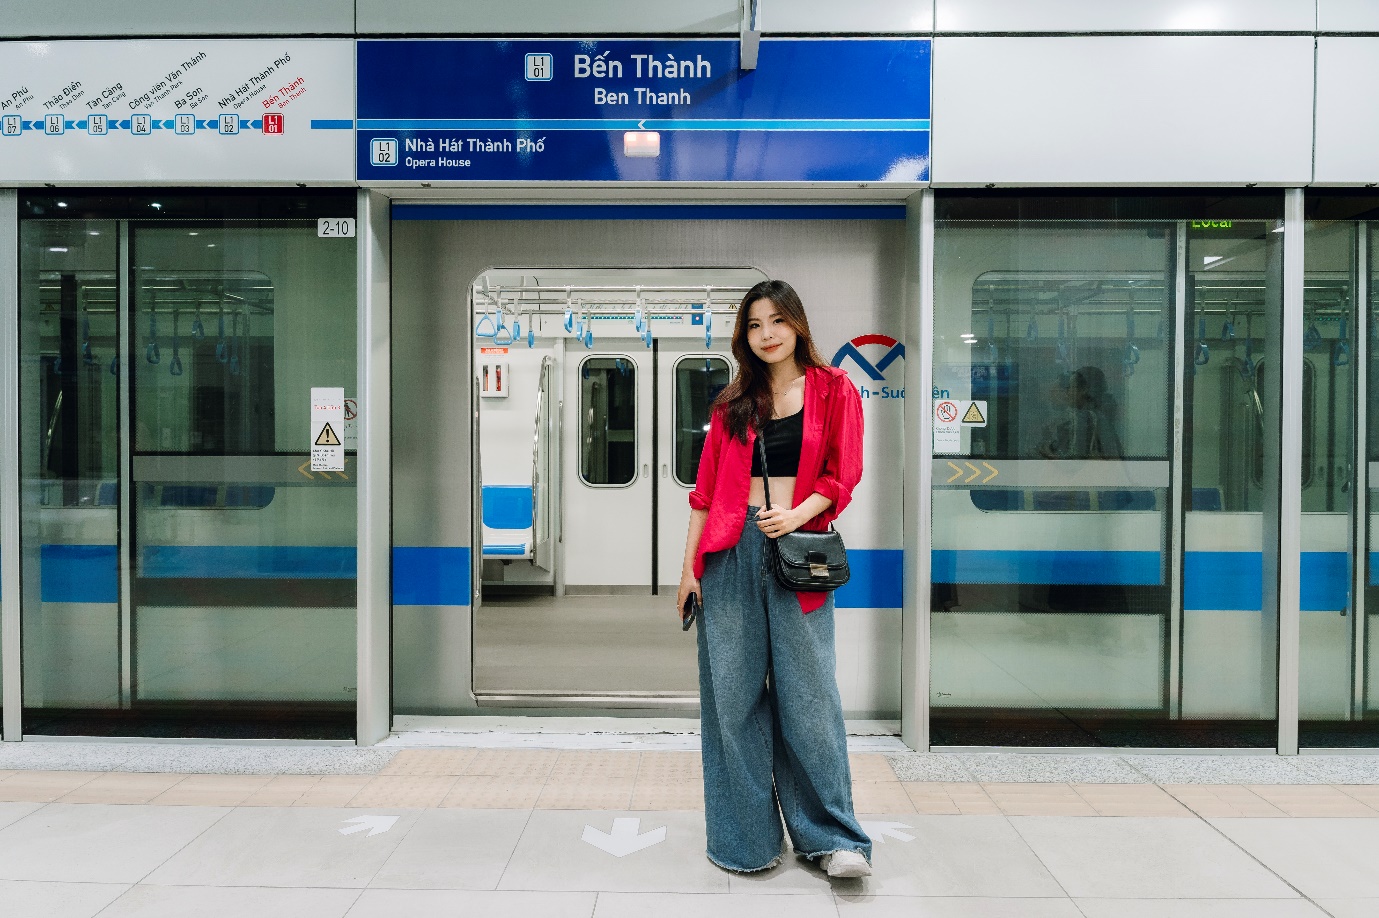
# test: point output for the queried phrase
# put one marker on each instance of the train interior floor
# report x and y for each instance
(523, 819)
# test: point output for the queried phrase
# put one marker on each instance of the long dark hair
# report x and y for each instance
(747, 401)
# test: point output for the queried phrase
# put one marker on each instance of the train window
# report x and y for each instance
(608, 421)
(698, 380)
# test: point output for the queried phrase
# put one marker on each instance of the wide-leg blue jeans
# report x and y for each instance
(772, 723)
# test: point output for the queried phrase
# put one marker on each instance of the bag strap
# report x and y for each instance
(765, 475)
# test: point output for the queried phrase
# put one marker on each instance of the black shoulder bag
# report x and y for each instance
(805, 562)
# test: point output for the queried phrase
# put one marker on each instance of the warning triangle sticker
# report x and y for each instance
(973, 416)
(327, 437)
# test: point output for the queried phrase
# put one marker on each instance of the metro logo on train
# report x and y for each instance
(890, 351)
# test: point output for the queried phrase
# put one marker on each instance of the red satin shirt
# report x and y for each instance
(830, 463)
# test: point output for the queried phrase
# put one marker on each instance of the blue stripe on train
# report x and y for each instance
(440, 576)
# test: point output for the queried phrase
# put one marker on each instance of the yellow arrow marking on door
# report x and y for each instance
(994, 472)
(975, 473)
(957, 472)
(302, 468)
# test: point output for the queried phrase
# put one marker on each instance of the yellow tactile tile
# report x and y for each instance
(869, 767)
(211, 790)
(122, 787)
(1130, 800)
(601, 794)
(404, 791)
(1313, 800)
(42, 786)
(950, 799)
(333, 790)
(1038, 800)
(881, 797)
(281, 790)
(498, 792)
(431, 762)
(1222, 800)
(586, 765)
(512, 763)
(668, 795)
(670, 766)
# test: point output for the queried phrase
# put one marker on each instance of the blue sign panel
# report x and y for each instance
(643, 110)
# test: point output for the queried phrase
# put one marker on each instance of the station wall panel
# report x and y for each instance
(1140, 16)
(1347, 16)
(1134, 110)
(101, 18)
(1347, 115)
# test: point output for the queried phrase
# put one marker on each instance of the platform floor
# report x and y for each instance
(398, 831)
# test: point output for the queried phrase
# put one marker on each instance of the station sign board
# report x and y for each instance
(642, 110)
(219, 111)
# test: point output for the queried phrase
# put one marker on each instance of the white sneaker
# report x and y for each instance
(845, 864)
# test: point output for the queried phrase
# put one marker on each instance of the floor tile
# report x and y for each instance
(1131, 800)
(589, 793)
(494, 792)
(430, 762)
(392, 903)
(230, 902)
(332, 790)
(951, 799)
(119, 787)
(1313, 800)
(794, 876)
(929, 766)
(1038, 800)
(513, 763)
(269, 846)
(1217, 769)
(211, 790)
(1212, 801)
(866, 767)
(1350, 908)
(697, 905)
(1199, 908)
(41, 786)
(1021, 768)
(584, 765)
(281, 790)
(13, 812)
(872, 906)
(453, 849)
(95, 843)
(1321, 857)
(666, 795)
(403, 791)
(670, 766)
(1145, 858)
(552, 855)
(881, 797)
(57, 900)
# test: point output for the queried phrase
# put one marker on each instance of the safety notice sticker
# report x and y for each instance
(950, 417)
(327, 423)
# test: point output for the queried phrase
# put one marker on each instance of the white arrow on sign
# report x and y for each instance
(624, 839)
(376, 825)
(879, 830)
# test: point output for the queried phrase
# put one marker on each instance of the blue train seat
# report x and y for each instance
(1206, 498)
(507, 516)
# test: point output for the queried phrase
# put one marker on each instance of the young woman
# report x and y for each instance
(772, 722)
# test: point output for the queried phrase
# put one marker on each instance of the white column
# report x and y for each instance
(10, 656)
(1290, 477)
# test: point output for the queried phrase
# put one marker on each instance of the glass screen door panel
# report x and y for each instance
(243, 557)
(70, 468)
(1052, 394)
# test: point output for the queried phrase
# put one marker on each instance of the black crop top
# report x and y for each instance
(782, 437)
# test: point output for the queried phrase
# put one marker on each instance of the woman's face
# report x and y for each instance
(768, 334)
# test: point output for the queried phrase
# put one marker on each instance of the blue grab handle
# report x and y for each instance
(1203, 353)
(115, 365)
(1312, 338)
(588, 337)
(480, 331)
(1228, 330)
(175, 365)
(151, 353)
(637, 319)
(531, 337)
(1032, 330)
(569, 319)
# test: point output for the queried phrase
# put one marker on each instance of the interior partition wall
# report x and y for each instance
(183, 569)
(1106, 476)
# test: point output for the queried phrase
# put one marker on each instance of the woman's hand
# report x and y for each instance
(688, 584)
(779, 520)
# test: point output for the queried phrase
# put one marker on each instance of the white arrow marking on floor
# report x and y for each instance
(376, 825)
(624, 839)
(879, 830)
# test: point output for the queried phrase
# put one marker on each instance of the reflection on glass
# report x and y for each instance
(1051, 594)
(608, 421)
(697, 383)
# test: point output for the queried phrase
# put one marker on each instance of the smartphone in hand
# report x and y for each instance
(690, 612)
